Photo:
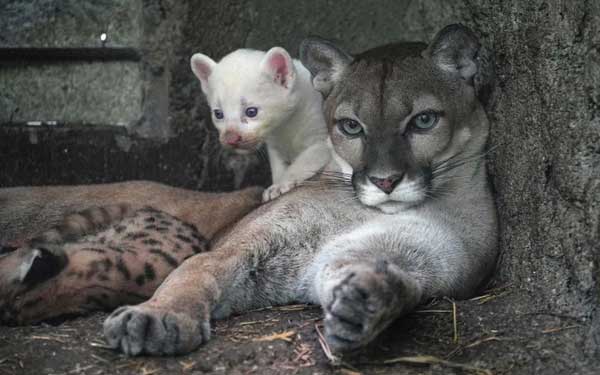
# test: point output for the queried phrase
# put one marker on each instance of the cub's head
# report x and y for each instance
(402, 117)
(249, 92)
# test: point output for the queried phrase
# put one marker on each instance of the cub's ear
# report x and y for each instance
(202, 66)
(325, 61)
(40, 264)
(456, 50)
(279, 67)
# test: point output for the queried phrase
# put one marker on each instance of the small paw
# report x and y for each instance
(363, 304)
(144, 329)
(276, 190)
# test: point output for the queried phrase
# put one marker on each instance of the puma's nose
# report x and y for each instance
(232, 138)
(387, 184)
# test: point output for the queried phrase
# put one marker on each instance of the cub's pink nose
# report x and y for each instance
(232, 138)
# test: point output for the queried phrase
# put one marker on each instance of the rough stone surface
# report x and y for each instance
(546, 152)
(69, 23)
(83, 155)
(91, 93)
(133, 94)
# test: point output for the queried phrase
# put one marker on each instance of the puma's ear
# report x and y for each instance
(279, 67)
(456, 50)
(325, 61)
(40, 264)
(202, 66)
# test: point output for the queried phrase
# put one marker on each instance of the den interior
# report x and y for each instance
(123, 104)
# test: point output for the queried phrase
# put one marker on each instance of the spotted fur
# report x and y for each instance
(88, 264)
(103, 256)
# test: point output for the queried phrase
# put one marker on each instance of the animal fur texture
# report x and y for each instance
(106, 255)
(405, 215)
(267, 98)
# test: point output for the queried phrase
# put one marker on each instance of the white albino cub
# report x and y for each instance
(266, 97)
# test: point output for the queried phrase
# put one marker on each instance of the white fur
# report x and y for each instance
(406, 194)
(25, 267)
(290, 119)
(389, 236)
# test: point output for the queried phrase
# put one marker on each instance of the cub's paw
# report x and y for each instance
(276, 190)
(148, 330)
(362, 305)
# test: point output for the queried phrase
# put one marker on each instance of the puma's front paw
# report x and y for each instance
(276, 190)
(145, 329)
(365, 302)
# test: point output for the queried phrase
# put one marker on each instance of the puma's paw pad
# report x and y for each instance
(141, 329)
(276, 190)
(358, 310)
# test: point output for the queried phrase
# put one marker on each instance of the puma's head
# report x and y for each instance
(249, 92)
(403, 117)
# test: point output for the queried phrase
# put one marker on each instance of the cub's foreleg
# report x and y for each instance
(307, 164)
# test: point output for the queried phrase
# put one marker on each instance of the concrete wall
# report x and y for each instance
(71, 92)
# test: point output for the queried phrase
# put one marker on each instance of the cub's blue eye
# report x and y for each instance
(350, 128)
(251, 111)
(218, 114)
(425, 120)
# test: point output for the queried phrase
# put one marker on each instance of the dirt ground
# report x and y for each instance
(489, 334)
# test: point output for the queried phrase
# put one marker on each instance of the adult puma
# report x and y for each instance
(409, 216)
(104, 253)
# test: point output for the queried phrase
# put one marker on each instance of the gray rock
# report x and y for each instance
(91, 93)
(70, 23)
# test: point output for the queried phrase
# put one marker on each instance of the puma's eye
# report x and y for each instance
(218, 114)
(425, 120)
(350, 128)
(251, 111)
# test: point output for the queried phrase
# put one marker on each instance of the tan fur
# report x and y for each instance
(28, 211)
(103, 257)
(366, 253)
(399, 222)
(122, 264)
